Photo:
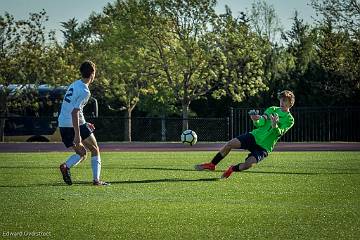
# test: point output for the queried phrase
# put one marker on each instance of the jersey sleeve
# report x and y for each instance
(80, 99)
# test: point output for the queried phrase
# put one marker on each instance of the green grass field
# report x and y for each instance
(301, 195)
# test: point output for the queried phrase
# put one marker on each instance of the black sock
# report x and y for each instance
(236, 168)
(218, 157)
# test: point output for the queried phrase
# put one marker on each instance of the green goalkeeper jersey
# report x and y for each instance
(265, 135)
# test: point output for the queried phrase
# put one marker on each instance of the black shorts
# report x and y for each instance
(248, 142)
(68, 134)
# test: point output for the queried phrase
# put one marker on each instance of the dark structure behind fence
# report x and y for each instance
(311, 124)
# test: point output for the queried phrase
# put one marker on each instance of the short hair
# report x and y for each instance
(289, 95)
(87, 68)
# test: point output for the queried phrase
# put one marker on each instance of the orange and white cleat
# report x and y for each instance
(228, 172)
(205, 166)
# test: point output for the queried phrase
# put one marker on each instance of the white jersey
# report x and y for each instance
(76, 96)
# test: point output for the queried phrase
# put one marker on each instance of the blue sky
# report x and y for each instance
(63, 10)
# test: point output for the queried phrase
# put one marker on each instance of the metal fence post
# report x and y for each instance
(329, 124)
(231, 128)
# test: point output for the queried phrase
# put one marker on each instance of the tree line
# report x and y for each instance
(175, 57)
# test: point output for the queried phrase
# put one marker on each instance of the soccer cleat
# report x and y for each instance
(65, 171)
(100, 183)
(228, 172)
(205, 166)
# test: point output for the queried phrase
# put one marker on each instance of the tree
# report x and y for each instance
(338, 72)
(70, 32)
(177, 30)
(30, 56)
(122, 56)
(264, 20)
(22, 49)
(266, 24)
(300, 41)
(193, 59)
(238, 57)
(338, 49)
(344, 14)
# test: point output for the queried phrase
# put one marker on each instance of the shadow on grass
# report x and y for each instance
(60, 184)
(343, 171)
(169, 169)
(301, 173)
(165, 180)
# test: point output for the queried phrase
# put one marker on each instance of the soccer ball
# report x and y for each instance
(189, 137)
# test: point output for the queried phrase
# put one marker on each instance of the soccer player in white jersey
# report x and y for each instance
(75, 131)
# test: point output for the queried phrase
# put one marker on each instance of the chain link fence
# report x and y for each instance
(161, 129)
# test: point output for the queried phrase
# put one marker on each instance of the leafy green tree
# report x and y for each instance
(22, 49)
(344, 14)
(239, 59)
(71, 32)
(266, 24)
(121, 53)
(29, 55)
(181, 51)
(264, 20)
(300, 41)
(337, 78)
(195, 55)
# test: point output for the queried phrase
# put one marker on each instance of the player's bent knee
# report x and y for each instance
(94, 150)
(233, 143)
(81, 152)
(229, 144)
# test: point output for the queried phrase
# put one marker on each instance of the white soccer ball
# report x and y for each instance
(189, 137)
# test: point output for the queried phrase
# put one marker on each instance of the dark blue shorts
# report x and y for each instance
(248, 142)
(68, 134)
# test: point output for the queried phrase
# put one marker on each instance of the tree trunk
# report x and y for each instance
(185, 116)
(128, 125)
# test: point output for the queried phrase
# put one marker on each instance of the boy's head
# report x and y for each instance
(287, 99)
(87, 69)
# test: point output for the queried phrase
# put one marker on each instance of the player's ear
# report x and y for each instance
(265, 116)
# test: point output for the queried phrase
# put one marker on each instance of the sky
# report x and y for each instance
(63, 10)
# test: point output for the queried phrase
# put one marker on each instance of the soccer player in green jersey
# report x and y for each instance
(274, 123)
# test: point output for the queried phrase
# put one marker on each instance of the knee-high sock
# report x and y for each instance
(73, 160)
(218, 157)
(96, 167)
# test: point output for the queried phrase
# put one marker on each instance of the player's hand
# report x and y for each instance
(255, 117)
(254, 114)
(274, 119)
(77, 141)
(91, 126)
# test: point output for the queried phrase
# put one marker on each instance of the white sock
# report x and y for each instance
(96, 167)
(73, 160)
